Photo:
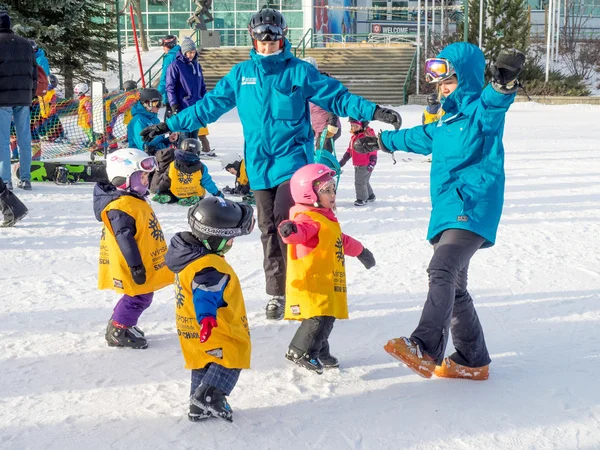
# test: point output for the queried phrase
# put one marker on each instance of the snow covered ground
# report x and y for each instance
(537, 293)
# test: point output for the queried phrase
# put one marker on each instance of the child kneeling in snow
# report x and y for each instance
(187, 179)
(211, 314)
(316, 276)
(132, 245)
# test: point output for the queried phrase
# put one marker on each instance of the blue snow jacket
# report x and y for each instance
(41, 60)
(185, 82)
(272, 94)
(467, 169)
(142, 118)
(168, 58)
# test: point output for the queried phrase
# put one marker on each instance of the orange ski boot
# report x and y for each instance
(409, 353)
(450, 369)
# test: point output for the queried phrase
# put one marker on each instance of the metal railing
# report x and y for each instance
(304, 42)
(387, 39)
(323, 40)
(408, 78)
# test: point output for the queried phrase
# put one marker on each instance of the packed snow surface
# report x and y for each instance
(537, 293)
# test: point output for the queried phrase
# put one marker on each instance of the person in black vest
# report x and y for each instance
(18, 80)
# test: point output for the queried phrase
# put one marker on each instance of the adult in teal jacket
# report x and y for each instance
(272, 91)
(170, 47)
(40, 57)
(467, 194)
(145, 113)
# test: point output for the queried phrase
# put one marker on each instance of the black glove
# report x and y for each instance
(152, 131)
(218, 194)
(287, 227)
(227, 190)
(506, 70)
(370, 144)
(388, 116)
(138, 273)
(175, 108)
(366, 258)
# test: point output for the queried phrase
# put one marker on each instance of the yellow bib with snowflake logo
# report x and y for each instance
(184, 185)
(114, 273)
(242, 177)
(430, 118)
(316, 283)
(229, 343)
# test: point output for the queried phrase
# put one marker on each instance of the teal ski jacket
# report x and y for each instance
(168, 58)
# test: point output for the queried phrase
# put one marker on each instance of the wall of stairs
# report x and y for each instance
(376, 73)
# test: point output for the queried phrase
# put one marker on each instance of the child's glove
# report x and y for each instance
(175, 108)
(370, 144)
(506, 70)
(219, 194)
(227, 190)
(344, 159)
(287, 227)
(206, 326)
(388, 116)
(331, 131)
(366, 258)
(370, 168)
(138, 273)
(152, 131)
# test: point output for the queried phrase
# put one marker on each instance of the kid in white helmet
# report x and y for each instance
(132, 244)
(235, 165)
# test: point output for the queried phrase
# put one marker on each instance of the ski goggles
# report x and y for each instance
(168, 42)
(326, 186)
(148, 164)
(153, 103)
(438, 69)
(267, 32)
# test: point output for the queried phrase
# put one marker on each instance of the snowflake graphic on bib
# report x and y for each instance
(156, 232)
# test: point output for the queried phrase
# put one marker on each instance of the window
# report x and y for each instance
(228, 19)
(157, 21)
(179, 21)
(294, 19)
(223, 5)
(400, 14)
(379, 14)
(287, 5)
(158, 5)
(180, 6)
(243, 19)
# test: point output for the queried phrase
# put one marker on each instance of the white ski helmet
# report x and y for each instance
(230, 159)
(81, 89)
(123, 163)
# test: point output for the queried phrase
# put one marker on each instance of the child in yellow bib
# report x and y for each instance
(132, 245)
(187, 179)
(209, 305)
(316, 275)
(433, 111)
(235, 165)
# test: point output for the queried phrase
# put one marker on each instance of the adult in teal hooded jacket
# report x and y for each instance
(168, 58)
(272, 91)
(467, 194)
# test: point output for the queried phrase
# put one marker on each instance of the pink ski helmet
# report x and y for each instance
(303, 181)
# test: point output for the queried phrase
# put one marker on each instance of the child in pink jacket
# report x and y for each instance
(364, 163)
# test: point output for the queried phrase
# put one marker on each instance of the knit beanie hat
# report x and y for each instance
(187, 45)
(4, 20)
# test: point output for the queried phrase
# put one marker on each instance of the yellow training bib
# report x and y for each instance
(184, 185)
(229, 343)
(316, 283)
(242, 177)
(430, 118)
(114, 273)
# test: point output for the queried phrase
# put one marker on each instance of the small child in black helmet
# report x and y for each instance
(145, 113)
(210, 311)
(186, 179)
(433, 111)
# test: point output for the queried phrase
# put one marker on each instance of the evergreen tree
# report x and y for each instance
(76, 34)
(509, 28)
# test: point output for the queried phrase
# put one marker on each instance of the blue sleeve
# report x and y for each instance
(134, 137)
(162, 85)
(208, 286)
(202, 83)
(170, 84)
(492, 108)
(123, 228)
(417, 139)
(333, 96)
(214, 104)
(207, 181)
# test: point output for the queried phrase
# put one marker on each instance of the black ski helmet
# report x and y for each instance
(34, 45)
(168, 41)
(150, 95)
(191, 145)
(433, 99)
(214, 220)
(129, 85)
(267, 25)
(53, 80)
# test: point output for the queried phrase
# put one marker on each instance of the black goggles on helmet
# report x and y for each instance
(153, 103)
(267, 32)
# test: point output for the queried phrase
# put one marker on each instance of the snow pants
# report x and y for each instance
(312, 336)
(362, 183)
(449, 305)
(130, 308)
(273, 207)
(217, 376)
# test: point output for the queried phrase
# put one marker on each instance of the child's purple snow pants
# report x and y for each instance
(129, 309)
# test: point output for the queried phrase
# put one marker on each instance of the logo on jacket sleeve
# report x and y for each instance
(248, 80)
(216, 352)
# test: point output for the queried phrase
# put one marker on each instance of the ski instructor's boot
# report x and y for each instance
(409, 353)
(118, 335)
(450, 369)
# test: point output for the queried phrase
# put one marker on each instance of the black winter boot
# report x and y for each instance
(129, 337)
(197, 414)
(275, 309)
(212, 400)
(12, 208)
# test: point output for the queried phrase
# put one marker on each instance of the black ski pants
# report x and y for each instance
(273, 207)
(312, 336)
(449, 305)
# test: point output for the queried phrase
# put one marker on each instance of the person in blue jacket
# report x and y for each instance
(272, 91)
(467, 194)
(145, 113)
(170, 47)
(40, 57)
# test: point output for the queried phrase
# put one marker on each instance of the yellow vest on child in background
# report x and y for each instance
(46, 103)
(242, 176)
(114, 273)
(229, 343)
(430, 118)
(316, 283)
(185, 185)
(84, 113)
